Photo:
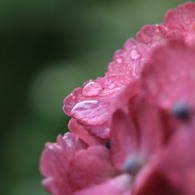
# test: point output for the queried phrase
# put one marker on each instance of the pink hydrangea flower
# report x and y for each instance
(133, 131)
(90, 105)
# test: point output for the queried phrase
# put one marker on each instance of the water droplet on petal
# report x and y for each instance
(135, 54)
(73, 97)
(91, 89)
(119, 60)
(105, 132)
(91, 112)
(51, 147)
(109, 83)
(84, 105)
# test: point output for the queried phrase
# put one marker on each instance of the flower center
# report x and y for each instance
(181, 111)
(107, 144)
(132, 166)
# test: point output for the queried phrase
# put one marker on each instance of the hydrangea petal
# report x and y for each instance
(155, 184)
(86, 135)
(130, 130)
(120, 185)
(152, 34)
(182, 20)
(168, 76)
(54, 163)
(93, 109)
(90, 167)
(182, 17)
(177, 161)
(123, 138)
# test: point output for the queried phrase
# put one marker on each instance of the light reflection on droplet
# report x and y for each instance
(135, 54)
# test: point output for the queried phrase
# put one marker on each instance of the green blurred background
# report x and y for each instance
(47, 48)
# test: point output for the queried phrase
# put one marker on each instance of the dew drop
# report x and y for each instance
(119, 60)
(91, 89)
(73, 97)
(84, 105)
(135, 54)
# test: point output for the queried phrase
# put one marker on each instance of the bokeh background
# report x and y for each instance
(48, 48)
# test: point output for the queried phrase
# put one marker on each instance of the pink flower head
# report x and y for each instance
(90, 105)
(133, 131)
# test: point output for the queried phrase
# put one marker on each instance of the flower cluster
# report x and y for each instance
(133, 131)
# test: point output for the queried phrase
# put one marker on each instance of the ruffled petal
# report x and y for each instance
(90, 167)
(177, 161)
(182, 21)
(131, 130)
(87, 136)
(55, 160)
(168, 76)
